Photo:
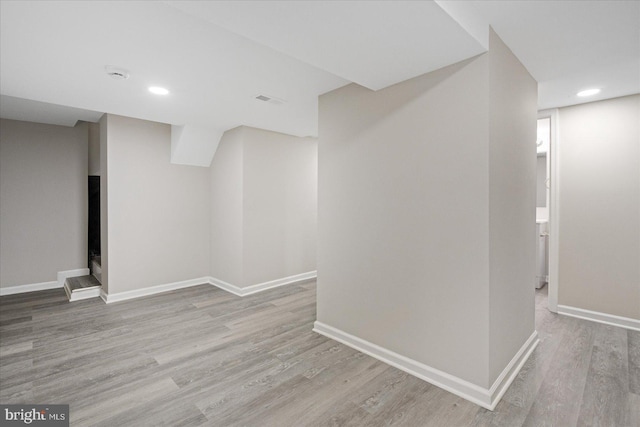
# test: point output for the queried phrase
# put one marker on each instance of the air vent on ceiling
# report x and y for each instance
(270, 99)
(116, 73)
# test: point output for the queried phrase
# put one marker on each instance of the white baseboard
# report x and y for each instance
(152, 290)
(225, 286)
(248, 290)
(81, 294)
(487, 398)
(510, 372)
(63, 275)
(32, 287)
(43, 286)
(595, 316)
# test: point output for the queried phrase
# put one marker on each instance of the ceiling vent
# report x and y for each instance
(116, 73)
(270, 99)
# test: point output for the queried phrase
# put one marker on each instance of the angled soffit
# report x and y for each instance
(375, 44)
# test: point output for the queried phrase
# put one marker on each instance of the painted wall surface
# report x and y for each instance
(541, 185)
(94, 149)
(599, 199)
(263, 204)
(513, 96)
(104, 205)
(403, 214)
(158, 213)
(226, 208)
(43, 201)
(427, 214)
(280, 177)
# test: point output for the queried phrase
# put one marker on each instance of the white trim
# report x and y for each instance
(80, 294)
(554, 213)
(64, 275)
(510, 372)
(248, 290)
(595, 316)
(487, 398)
(225, 286)
(103, 295)
(151, 290)
(43, 286)
(33, 287)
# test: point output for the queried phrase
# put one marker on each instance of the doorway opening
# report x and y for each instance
(94, 227)
(547, 208)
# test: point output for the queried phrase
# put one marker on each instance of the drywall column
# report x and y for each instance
(264, 207)
(43, 201)
(426, 191)
(599, 220)
(513, 99)
(226, 208)
(158, 213)
(403, 214)
(104, 203)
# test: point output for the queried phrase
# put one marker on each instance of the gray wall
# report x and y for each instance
(541, 185)
(425, 188)
(94, 149)
(264, 209)
(158, 213)
(43, 201)
(280, 177)
(599, 220)
(513, 95)
(403, 217)
(104, 211)
(226, 208)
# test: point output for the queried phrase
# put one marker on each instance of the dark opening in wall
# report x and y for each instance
(94, 219)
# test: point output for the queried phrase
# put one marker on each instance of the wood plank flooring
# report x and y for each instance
(201, 356)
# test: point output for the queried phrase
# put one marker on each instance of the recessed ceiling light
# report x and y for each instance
(158, 90)
(588, 92)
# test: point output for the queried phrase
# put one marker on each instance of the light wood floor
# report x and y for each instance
(201, 356)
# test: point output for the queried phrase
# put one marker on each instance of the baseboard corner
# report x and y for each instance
(510, 372)
(225, 286)
(252, 289)
(104, 296)
(458, 386)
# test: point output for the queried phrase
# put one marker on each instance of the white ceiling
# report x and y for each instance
(42, 112)
(216, 57)
(568, 46)
(56, 52)
(374, 43)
